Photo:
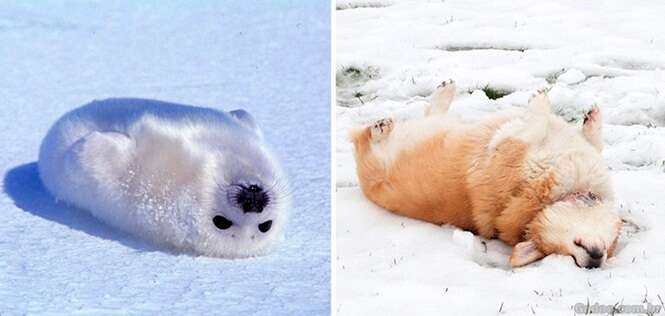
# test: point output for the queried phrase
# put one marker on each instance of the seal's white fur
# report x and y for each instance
(162, 171)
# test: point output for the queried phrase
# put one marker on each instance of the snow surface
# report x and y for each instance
(389, 58)
(269, 58)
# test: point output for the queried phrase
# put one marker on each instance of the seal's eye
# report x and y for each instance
(265, 226)
(222, 222)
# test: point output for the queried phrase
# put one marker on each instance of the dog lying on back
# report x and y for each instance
(526, 177)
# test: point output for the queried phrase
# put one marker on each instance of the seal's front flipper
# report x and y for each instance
(246, 119)
(102, 156)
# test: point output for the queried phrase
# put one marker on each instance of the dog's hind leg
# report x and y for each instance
(441, 98)
(531, 128)
(539, 103)
(381, 129)
(593, 128)
(370, 168)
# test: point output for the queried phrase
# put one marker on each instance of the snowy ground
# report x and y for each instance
(390, 57)
(269, 58)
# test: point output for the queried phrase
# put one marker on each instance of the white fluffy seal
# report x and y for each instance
(195, 180)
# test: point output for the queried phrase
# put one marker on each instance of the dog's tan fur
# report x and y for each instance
(495, 178)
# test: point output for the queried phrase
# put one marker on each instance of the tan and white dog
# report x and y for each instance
(526, 177)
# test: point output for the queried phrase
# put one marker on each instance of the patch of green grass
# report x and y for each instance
(353, 73)
(552, 77)
(492, 93)
(350, 82)
(351, 76)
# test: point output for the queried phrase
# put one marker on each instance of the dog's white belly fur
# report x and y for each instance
(574, 162)
(408, 134)
(150, 173)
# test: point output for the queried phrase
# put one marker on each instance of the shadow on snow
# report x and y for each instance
(24, 186)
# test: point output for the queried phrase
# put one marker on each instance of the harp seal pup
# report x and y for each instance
(194, 180)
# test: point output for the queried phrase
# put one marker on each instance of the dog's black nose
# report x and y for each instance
(595, 257)
(593, 263)
(252, 199)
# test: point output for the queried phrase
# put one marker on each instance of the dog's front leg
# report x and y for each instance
(512, 223)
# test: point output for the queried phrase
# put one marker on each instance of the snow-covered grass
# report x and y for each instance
(267, 57)
(391, 58)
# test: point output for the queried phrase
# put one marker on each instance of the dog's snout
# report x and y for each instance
(252, 199)
(595, 253)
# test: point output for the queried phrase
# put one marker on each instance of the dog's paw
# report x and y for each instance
(592, 118)
(381, 129)
(449, 82)
(446, 88)
(539, 95)
(539, 102)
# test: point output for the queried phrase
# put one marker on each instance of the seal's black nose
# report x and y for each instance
(252, 199)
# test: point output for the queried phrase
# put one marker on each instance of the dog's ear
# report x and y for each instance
(613, 247)
(525, 253)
